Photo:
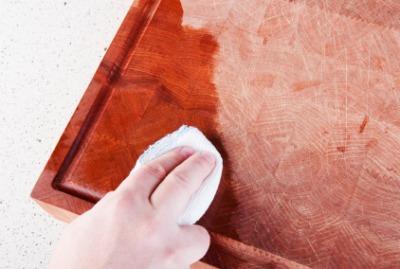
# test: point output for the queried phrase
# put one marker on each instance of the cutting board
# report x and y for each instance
(302, 98)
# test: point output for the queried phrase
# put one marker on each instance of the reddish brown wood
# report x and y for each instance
(151, 95)
(302, 99)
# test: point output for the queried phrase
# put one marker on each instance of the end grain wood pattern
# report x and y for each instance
(301, 97)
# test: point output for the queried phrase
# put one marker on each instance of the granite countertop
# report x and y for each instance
(49, 51)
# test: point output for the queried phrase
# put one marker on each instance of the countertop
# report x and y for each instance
(49, 51)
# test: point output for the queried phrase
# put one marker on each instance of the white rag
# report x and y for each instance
(193, 137)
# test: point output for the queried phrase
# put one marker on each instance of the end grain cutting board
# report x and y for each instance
(303, 99)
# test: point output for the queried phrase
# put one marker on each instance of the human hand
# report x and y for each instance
(135, 226)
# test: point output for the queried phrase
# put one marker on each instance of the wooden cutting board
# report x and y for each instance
(301, 97)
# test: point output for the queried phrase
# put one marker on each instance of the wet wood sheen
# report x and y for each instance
(301, 97)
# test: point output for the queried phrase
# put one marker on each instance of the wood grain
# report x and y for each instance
(151, 96)
(302, 99)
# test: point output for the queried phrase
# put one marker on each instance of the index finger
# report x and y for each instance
(146, 178)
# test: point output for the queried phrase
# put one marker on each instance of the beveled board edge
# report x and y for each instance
(47, 190)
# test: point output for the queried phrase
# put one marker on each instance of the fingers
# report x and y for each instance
(193, 242)
(146, 178)
(173, 194)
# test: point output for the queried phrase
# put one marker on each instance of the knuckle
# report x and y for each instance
(122, 202)
(154, 170)
(182, 179)
(134, 195)
(203, 161)
(175, 156)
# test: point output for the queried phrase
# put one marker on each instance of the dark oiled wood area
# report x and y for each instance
(166, 81)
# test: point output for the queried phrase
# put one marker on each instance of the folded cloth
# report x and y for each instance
(193, 137)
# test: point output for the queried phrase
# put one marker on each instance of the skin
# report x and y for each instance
(135, 225)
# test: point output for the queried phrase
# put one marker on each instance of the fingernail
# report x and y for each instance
(209, 157)
(186, 151)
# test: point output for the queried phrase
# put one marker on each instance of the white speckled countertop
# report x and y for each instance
(49, 51)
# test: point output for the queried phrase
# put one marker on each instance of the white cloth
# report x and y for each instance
(193, 137)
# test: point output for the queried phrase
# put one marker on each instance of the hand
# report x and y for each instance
(135, 226)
